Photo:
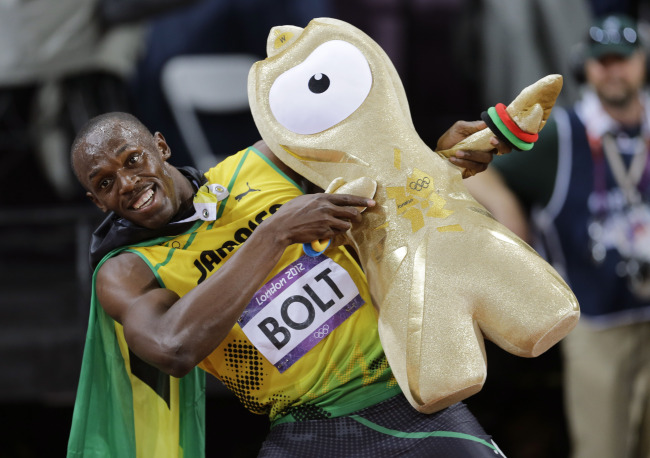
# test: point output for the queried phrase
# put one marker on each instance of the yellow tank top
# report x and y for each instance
(307, 344)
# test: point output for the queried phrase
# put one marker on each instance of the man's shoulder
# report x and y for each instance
(125, 265)
(225, 170)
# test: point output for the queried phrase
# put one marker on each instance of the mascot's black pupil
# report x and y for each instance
(319, 83)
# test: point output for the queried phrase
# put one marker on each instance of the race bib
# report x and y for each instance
(298, 308)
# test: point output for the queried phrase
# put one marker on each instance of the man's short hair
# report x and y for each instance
(106, 119)
(97, 122)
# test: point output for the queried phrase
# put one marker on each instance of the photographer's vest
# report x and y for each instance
(589, 224)
(306, 346)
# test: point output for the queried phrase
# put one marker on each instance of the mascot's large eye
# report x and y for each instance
(323, 90)
(319, 83)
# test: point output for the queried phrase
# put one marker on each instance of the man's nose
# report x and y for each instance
(127, 181)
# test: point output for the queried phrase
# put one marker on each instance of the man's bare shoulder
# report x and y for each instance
(263, 148)
(121, 280)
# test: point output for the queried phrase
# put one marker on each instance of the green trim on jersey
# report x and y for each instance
(223, 203)
(275, 167)
(362, 397)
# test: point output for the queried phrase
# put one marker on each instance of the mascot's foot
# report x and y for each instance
(556, 333)
(443, 403)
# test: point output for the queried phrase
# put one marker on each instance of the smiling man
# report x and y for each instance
(197, 270)
(130, 191)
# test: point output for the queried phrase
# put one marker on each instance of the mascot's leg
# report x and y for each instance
(433, 345)
(433, 374)
(525, 306)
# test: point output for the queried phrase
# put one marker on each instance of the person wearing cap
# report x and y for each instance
(584, 191)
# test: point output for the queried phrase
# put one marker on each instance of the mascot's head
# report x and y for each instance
(328, 94)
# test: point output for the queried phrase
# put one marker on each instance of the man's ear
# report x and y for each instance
(94, 200)
(162, 146)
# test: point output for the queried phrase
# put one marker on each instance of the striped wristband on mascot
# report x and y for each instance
(499, 122)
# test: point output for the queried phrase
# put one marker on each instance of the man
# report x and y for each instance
(178, 287)
(587, 182)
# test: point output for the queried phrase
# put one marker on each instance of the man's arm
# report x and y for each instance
(472, 162)
(516, 182)
(493, 193)
(175, 333)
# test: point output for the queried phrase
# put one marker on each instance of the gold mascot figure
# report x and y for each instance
(443, 272)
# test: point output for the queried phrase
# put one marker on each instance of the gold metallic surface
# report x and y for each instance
(442, 272)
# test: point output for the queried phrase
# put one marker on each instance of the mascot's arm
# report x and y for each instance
(362, 187)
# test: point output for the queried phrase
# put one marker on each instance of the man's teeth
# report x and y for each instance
(143, 200)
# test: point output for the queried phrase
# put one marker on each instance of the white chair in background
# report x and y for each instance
(212, 83)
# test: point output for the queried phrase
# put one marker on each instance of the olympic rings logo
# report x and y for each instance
(420, 184)
(322, 332)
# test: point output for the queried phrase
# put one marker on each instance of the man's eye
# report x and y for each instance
(134, 159)
(104, 184)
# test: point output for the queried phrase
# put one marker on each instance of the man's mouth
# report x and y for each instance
(144, 200)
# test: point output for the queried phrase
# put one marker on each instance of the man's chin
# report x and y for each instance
(156, 223)
(617, 98)
(150, 220)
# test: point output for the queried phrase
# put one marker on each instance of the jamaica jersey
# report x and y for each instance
(307, 344)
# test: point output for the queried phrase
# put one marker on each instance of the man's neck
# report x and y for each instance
(186, 193)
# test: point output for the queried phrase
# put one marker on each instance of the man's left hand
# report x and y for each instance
(472, 162)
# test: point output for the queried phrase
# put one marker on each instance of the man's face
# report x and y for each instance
(615, 78)
(124, 170)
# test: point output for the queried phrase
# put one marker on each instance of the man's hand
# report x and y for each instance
(315, 217)
(472, 162)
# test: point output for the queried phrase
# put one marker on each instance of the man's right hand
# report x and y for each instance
(314, 217)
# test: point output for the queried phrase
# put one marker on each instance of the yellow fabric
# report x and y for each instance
(151, 413)
(350, 357)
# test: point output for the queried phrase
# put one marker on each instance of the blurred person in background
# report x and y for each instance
(209, 27)
(517, 42)
(60, 65)
(586, 184)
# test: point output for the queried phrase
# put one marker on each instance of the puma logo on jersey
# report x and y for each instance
(245, 193)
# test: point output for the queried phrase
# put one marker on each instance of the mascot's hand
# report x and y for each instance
(472, 161)
(362, 187)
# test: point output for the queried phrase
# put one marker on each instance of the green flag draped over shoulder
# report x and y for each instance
(128, 409)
